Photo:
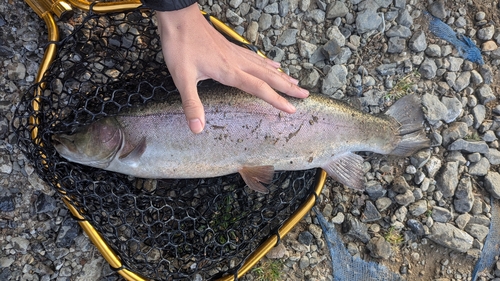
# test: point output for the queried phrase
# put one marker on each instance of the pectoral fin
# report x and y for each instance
(347, 168)
(256, 175)
(132, 157)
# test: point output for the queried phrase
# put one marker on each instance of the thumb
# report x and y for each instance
(193, 109)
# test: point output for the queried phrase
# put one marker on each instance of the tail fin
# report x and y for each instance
(408, 112)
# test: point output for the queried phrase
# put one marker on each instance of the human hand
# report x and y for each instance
(195, 51)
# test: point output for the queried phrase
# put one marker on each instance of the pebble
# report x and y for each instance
(486, 33)
(464, 197)
(379, 248)
(449, 236)
(418, 42)
(447, 180)
(492, 184)
(367, 20)
(335, 79)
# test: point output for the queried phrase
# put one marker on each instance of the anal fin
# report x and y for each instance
(347, 168)
(133, 155)
(254, 176)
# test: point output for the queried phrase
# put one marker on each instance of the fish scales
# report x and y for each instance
(243, 131)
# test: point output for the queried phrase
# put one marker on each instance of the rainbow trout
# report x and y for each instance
(245, 134)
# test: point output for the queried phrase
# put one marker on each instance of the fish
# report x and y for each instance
(244, 134)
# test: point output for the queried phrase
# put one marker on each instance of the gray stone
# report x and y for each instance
(486, 33)
(374, 189)
(304, 262)
(447, 180)
(277, 252)
(420, 158)
(469, 146)
(20, 244)
(343, 57)
(432, 166)
(435, 109)
(477, 231)
(462, 220)
(336, 9)
(370, 213)
(383, 203)
(493, 156)
(440, 214)
(418, 42)
(416, 227)
(304, 5)
(367, 20)
(379, 248)
(276, 54)
(418, 208)
(400, 31)
(356, 229)
(331, 49)
(305, 237)
(333, 33)
(464, 198)
(487, 73)
(16, 71)
(399, 185)
(479, 113)
(485, 94)
(334, 80)
(233, 17)
(405, 199)
(235, 3)
(288, 37)
(475, 77)
(317, 15)
(454, 108)
(272, 8)
(455, 63)
(433, 50)
(449, 236)
(437, 9)
(489, 136)
(306, 49)
(456, 130)
(480, 168)
(265, 22)
(386, 69)
(396, 45)
(401, 213)
(252, 31)
(311, 79)
(492, 184)
(404, 18)
(260, 4)
(462, 81)
(316, 231)
(283, 8)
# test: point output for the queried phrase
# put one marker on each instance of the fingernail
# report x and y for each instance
(196, 126)
(291, 108)
(294, 81)
(275, 64)
(304, 91)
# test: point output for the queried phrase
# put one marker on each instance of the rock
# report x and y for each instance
(311, 79)
(485, 94)
(437, 9)
(371, 213)
(367, 20)
(464, 198)
(400, 31)
(480, 168)
(418, 208)
(432, 166)
(386, 69)
(20, 244)
(277, 252)
(339, 218)
(260, 4)
(233, 17)
(487, 73)
(405, 199)
(252, 31)
(462, 81)
(454, 108)
(16, 71)
(420, 158)
(440, 214)
(316, 231)
(45, 204)
(67, 233)
(492, 184)
(455, 64)
(265, 22)
(331, 49)
(486, 33)
(336, 9)
(477, 231)
(7, 204)
(396, 45)
(317, 15)
(489, 136)
(493, 156)
(306, 49)
(272, 9)
(383, 203)
(418, 42)
(479, 113)
(333, 33)
(379, 248)
(462, 220)
(353, 227)
(416, 227)
(433, 50)
(447, 180)
(305, 237)
(334, 80)
(469, 146)
(288, 37)
(449, 236)
(480, 16)
(399, 185)
(489, 46)
(435, 109)
(404, 18)
(455, 131)
(276, 54)
(374, 189)
(304, 262)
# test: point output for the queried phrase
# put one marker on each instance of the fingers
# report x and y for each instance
(191, 103)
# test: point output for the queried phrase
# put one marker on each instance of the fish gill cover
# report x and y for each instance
(161, 229)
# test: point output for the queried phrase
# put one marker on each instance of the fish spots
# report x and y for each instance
(293, 134)
(217, 127)
(314, 119)
(310, 160)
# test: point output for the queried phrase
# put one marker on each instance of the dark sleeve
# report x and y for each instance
(167, 5)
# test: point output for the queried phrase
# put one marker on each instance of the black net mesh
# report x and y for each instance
(162, 229)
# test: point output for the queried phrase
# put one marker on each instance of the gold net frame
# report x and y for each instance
(48, 10)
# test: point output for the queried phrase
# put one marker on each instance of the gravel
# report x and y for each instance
(366, 52)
